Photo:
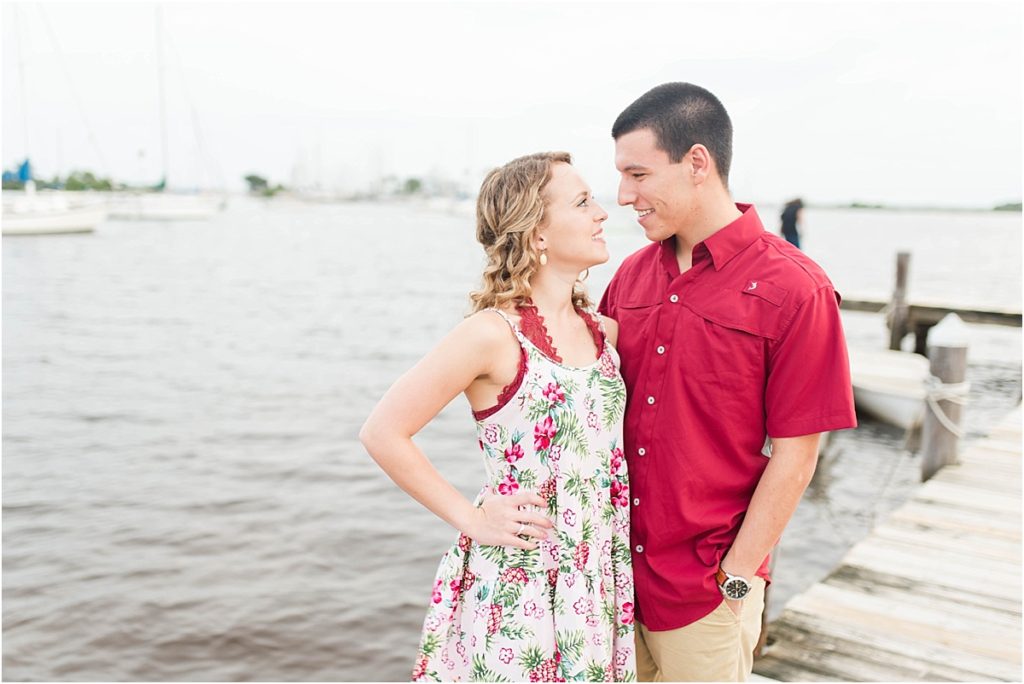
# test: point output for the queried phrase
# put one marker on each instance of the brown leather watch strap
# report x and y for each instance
(720, 576)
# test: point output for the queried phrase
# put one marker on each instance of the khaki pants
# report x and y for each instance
(717, 648)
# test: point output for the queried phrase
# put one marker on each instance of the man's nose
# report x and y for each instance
(626, 194)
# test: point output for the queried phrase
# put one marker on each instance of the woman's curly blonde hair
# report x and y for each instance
(509, 211)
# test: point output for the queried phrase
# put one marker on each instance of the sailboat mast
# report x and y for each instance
(163, 99)
(19, 32)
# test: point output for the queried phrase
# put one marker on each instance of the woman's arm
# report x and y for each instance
(464, 355)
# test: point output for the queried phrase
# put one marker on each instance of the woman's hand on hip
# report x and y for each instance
(506, 520)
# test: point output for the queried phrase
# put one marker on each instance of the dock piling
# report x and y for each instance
(947, 390)
(900, 312)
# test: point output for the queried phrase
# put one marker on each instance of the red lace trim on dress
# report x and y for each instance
(508, 391)
(531, 324)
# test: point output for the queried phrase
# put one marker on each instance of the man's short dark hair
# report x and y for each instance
(681, 115)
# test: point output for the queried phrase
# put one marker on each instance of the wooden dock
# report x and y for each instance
(933, 593)
(919, 317)
(933, 312)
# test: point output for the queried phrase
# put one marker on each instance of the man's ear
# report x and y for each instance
(700, 163)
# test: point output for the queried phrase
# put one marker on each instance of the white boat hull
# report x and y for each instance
(890, 385)
(900, 410)
(159, 207)
(71, 220)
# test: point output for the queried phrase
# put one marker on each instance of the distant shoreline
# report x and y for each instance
(1007, 207)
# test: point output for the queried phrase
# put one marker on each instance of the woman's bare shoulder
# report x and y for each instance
(485, 327)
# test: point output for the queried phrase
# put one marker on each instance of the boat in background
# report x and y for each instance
(890, 385)
(162, 206)
(33, 213)
(157, 203)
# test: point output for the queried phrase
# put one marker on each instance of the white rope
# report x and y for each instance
(955, 392)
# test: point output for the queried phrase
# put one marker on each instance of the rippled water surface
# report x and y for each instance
(184, 497)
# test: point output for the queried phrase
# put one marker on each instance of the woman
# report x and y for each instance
(538, 585)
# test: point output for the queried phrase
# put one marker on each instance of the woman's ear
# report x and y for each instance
(539, 242)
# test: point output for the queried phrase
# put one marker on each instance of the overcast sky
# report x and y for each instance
(895, 102)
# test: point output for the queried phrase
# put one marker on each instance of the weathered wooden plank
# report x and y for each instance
(894, 627)
(853, 660)
(780, 670)
(884, 600)
(993, 453)
(949, 526)
(993, 460)
(848, 666)
(937, 558)
(871, 581)
(938, 516)
(1003, 579)
(964, 496)
(971, 546)
(996, 481)
(968, 628)
(922, 650)
(1003, 450)
(883, 643)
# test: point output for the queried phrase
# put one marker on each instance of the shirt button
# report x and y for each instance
(639, 548)
(641, 451)
(674, 298)
(661, 349)
(650, 400)
(636, 502)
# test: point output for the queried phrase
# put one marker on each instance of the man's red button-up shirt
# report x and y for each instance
(746, 344)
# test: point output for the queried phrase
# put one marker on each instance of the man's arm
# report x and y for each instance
(808, 392)
(775, 499)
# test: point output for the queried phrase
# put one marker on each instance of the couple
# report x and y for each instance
(733, 357)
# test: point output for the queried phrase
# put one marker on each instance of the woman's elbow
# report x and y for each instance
(380, 436)
(369, 435)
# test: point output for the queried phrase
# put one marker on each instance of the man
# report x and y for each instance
(790, 218)
(729, 336)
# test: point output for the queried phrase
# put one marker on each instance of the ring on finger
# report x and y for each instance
(522, 526)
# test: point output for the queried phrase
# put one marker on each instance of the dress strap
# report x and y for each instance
(596, 325)
(509, 390)
(511, 323)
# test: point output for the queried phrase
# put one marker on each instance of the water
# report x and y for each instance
(185, 498)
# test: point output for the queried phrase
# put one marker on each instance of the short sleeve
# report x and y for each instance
(608, 299)
(808, 388)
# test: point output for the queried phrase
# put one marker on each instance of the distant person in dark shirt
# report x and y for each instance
(792, 215)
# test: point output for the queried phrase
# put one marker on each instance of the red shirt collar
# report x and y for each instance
(723, 244)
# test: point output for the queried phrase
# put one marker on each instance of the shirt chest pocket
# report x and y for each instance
(731, 329)
(636, 319)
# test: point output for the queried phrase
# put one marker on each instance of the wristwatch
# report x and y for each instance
(733, 587)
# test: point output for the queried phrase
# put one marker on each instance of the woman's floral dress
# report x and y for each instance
(564, 611)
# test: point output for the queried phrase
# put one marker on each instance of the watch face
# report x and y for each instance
(735, 589)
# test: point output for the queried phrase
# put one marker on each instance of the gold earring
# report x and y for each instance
(543, 257)
(584, 275)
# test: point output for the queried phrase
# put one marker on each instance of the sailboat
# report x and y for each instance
(47, 213)
(32, 213)
(159, 204)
